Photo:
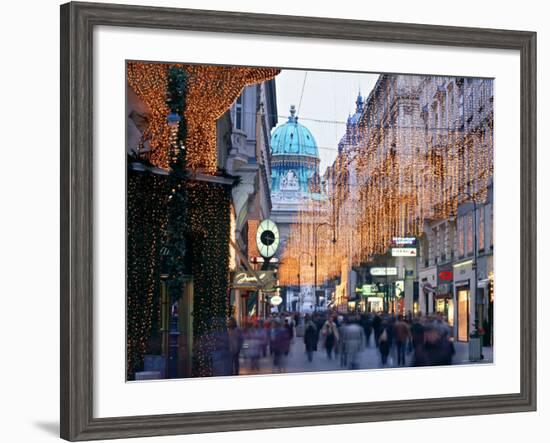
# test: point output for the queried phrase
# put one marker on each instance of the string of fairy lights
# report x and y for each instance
(146, 216)
(211, 91)
(183, 217)
(386, 182)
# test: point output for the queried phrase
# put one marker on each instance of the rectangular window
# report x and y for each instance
(481, 229)
(239, 112)
(469, 233)
(460, 236)
(445, 242)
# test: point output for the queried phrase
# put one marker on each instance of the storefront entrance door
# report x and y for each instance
(463, 308)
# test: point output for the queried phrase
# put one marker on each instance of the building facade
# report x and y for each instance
(416, 161)
(296, 189)
(252, 117)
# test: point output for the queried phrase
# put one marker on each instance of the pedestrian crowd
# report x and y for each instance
(400, 340)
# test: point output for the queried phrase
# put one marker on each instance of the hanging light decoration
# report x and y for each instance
(211, 91)
(405, 171)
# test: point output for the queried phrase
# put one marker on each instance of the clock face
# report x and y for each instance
(267, 238)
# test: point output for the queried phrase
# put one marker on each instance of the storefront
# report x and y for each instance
(427, 285)
(484, 303)
(444, 303)
(249, 300)
(463, 311)
(464, 304)
(375, 303)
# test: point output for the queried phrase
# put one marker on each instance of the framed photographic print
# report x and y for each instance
(255, 207)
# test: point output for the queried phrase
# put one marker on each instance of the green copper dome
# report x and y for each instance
(292, 138)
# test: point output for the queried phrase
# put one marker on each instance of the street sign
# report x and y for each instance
(403, 252)
(383, 271)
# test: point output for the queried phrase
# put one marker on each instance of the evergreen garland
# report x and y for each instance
(146, 218)
(175, 260)
(171, 220)
(209, 217)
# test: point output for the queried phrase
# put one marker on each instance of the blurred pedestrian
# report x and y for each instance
(384, 343)
(417, 334)
(401, 335)
(290, 330)
(366, 323)
(330, 335)
(280, 346)
(341, 345)
(311, 337)
(353, 339)
(377, 328)
(252, 344)
(235, 338)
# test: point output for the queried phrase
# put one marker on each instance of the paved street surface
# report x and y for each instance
(369, 358)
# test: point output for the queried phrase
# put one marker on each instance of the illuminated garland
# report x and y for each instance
(402, 177)
(209, 224)
(184, 102)
(176, 230)
(150, 81)
(146, 218)
(211, 91)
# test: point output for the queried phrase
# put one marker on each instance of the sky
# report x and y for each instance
(325, 96)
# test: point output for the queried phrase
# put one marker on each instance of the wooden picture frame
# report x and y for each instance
(77, 23)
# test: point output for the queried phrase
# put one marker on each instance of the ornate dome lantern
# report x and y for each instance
(294, 160)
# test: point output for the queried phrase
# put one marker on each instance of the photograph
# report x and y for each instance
(285, 221)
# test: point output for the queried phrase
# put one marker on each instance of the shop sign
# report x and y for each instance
(411, 241)
(367, 290)
(399, 288)
(276, 300)
(247, 279)
(446, 275)
(403, 252)
(383, 271)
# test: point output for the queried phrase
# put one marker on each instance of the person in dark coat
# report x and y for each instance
(366, 323)
(330, 334)
(311, 337)
(235, 339)
(376, 327)
(417, 334)
(384, 343)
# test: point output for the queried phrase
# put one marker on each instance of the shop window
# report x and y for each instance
(469, 233)
(460, 236)
(481, 229)
(463, 300)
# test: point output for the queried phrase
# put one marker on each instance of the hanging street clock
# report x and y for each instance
(267, 238)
